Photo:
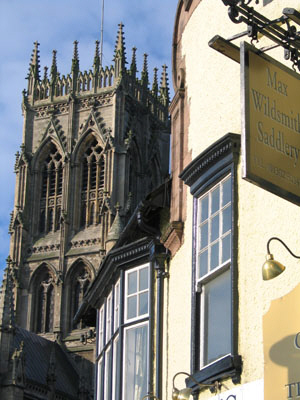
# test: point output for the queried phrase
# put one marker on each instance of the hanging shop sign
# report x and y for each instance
(271, 124)
(281, 338)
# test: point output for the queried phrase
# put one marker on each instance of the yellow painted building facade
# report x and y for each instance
(206, 107)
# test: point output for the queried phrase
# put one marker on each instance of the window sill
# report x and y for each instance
(227, 367)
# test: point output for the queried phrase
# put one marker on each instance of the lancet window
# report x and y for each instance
(92, 183)
(45, 302)
(51, 191)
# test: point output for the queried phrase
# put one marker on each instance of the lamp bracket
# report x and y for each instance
(282, 242)
(279, 30)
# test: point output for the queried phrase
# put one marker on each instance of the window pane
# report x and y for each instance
(143, 279)
(116, 370)
(214, 233)
(214, 255)
(143, 303)
(226, 220)
(217, 335)
(215, 200)
(99, 380)
(226, 191)
(101, 329)
(203, 260)
(108, 318)
(204, 209)
(135, 363)
(132, 282)
(107, 375)
(131, 307)
(117, 306)
(137, 292)
(226, 248)
(204, 236)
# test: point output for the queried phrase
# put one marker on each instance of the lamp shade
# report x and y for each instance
(271, 268)
(183, 394)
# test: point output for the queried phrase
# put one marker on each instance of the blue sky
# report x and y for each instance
(55, 24)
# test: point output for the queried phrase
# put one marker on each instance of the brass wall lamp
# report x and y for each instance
(184, 394)
(271, 267)
(150, 396)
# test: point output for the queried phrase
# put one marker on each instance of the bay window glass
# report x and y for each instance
(117, 306)
(135, 362)
(214, 210)
(137, 288)
(101, 329)
(116, 369)
(99, 378)
(123, 338)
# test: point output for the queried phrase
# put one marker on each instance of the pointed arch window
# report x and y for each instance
(44, 302)
(80, 282)
(51, 191)
(92, 183)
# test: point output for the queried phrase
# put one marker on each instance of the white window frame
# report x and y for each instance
(101, 329)
(137, 293)
(109, 315)
(221, 268)
(99, 377)
(115, 367)
(108, 328)
(117, 305)
(107, 371)
(124, 352)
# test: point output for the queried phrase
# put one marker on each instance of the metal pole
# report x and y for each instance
(101, 37)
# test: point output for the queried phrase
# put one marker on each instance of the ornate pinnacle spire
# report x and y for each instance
(7, 312)
(133, 68)
(45, 74)
(96, 58)
(34, 67)
(164, 87)
(75, 60)
(75, 67)
(145, 76)
(53, 71)
(120, 54)
(116, 227)
(155, 83)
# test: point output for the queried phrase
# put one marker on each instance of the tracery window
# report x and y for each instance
(51, 191)
(92, 183)
(80, 283)
(45, 302)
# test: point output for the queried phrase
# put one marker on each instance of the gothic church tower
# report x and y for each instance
(94, 143)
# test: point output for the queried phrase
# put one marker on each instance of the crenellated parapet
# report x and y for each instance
(99, 80)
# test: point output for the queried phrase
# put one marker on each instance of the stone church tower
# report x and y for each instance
(94, 143)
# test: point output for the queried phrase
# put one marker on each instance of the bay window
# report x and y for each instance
(212, 177)
(214, 213)
(123, 338)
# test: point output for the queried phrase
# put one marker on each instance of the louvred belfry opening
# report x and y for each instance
(51, 191)
(92, 186)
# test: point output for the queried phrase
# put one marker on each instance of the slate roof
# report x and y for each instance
(37, 356)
